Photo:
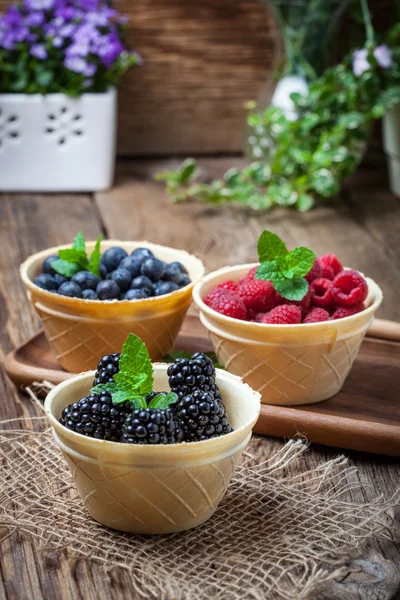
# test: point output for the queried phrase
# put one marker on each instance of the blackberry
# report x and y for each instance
(95, 416)
(152, 426)
(106, 369)
(187, 374)
(202, 415)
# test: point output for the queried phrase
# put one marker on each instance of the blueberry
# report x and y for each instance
(103, 271)
(135, 295)
(89, 295)
(172, 273)
(180, 266)
(112, 257)
(71, 289)
(46, 282)
(60, 278)
(142, 283)
(86, 280)
(122, 278)
(153, 269)
(142, 254)
(184, 280)
(131, 264)
(108, 290)
(165, 287)
(46, 265)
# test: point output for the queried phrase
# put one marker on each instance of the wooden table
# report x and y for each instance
(362, 227)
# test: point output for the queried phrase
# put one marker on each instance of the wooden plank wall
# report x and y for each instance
(203, 60)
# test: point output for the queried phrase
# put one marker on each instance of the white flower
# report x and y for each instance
(383, 56)
(288, 85)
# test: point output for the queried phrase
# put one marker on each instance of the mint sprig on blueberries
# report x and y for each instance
(135, 380)
(286, 270)
(75, 259)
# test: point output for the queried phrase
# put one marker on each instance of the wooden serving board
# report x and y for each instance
(364, 416)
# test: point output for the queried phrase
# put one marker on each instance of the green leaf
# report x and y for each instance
(135, 365)
(164, 400)
(94, 263)
(304, 202)
(269, 271)
(270, 246)
(79, 242)
(325, 183)
(187, 170)
(292, 289)
(68, 269)
(120, 395)
(76, 256)
(299, 262)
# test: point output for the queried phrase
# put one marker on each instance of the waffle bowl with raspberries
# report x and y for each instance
(293, 338)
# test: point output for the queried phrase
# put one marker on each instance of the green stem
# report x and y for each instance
(368, 23)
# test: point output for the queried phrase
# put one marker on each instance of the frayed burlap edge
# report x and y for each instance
(283, 531)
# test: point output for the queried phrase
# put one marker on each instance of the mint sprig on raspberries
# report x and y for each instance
(135, 379)
(286, 270)
(75, 259)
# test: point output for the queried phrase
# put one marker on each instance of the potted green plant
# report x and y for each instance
(310, 140)
(60, 61)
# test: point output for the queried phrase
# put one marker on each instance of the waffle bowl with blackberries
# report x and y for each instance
(162, 467)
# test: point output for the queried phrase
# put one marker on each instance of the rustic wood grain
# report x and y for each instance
(30, 223)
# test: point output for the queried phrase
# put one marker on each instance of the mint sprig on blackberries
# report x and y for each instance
(75, 259)
(133, 377)
(124, 408)
(286, 270)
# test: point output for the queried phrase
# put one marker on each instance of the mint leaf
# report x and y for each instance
(292, 289)
(269, 271)
(94, 263)
(68, 269)
(270, 246)
(135, 365)
(76, 256)
(119, 395)
(79, 243)
(130, 384)
(299, 262)
(164, 400)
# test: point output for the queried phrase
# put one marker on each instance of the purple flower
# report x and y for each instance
(39, 51)
(34, 19)
(38, 4)
(110, 49)
(360, 62)
(383, 56)
(79, 65)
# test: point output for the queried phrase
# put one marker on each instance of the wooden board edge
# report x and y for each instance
(284, 422)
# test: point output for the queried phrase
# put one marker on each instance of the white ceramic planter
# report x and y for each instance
(56, 143)
(391, 142)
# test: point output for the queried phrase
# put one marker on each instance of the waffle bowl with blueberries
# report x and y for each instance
(152, 447)
(92, 295)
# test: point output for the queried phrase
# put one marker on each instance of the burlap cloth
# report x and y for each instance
(282, 531)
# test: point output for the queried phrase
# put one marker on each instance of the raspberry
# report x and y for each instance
(317, 315)
(304, 304)
(233, 286)
(315, 272)
(250, 275)
(227, 303)
(327, 273)
(257, 295)
(349, 288)
(347, 311)
(321, 293)
(330, 260)
(285, 314)
(216, 293)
